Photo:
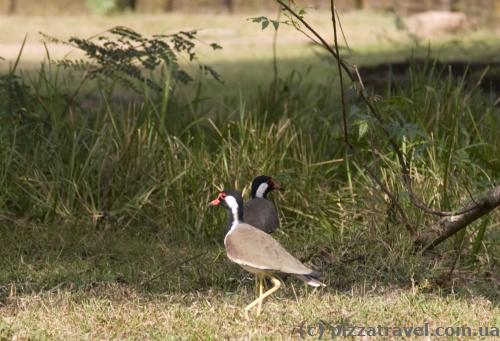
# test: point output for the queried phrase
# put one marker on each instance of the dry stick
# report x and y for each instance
(341, 80)
(448, 226)
(477, 85)
(71, 100)
(342, 30)
(410, 227)
(401, 158)
(175, 264)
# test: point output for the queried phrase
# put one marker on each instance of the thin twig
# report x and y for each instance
(371, 173)
(470, 195)
(173, 264)
(410, 227)
(342, 95)
(342, 30)
(360, 80)
(477, 85)
(70, 101)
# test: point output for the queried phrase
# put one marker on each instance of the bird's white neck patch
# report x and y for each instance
(261, 190)
(233, 205)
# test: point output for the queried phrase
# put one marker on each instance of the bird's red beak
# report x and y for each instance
(218, 200)
(214, 202)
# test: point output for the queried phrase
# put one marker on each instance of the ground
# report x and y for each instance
(75, 283)
(114, 311)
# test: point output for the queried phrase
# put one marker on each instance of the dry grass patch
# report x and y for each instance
(114, 311)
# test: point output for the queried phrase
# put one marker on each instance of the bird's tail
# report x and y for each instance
(311, 279)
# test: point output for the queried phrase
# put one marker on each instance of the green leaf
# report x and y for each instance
(215, 46)
(265, 23)
(362, 128)
(122, 55)
(258, 19)
(275, 23)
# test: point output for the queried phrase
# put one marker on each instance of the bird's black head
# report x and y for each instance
(262, 185)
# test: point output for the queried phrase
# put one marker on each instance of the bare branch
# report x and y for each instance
(450, 225)
(342, 30)
(341, 80)
(411, 229)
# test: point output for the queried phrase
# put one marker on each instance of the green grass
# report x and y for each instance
(106, 234)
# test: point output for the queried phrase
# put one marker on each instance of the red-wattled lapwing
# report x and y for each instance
(258, 211)
(258, 252)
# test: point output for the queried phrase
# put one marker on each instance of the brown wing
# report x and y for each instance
(246, 245)
(261, 214)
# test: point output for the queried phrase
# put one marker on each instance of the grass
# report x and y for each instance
(124, 284)
(212, 315)
(104, 223)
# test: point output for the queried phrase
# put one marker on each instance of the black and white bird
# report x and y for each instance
(259, 211)
(257, 252)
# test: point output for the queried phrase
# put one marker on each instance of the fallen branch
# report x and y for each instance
(449, 225)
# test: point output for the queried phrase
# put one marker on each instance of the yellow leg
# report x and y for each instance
(264, 282)
(276, 286)
(261, 287)
(258, 290)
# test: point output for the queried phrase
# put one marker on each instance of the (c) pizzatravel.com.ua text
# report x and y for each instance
(324, 330)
